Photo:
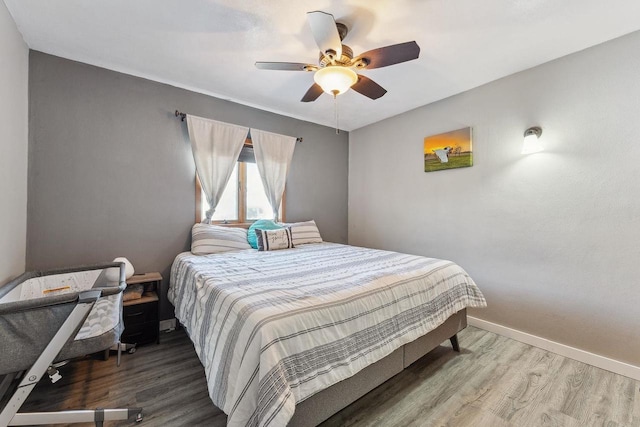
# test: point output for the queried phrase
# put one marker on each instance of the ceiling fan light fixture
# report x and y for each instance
(335, 80)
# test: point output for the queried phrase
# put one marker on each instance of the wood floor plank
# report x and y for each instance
(612, 402)
(494, 381)
(636, 405)
(459, 411)
(601, 401)
(525, 386)
(578, 387)
(549, 417)
(623, 397)
(467, 401)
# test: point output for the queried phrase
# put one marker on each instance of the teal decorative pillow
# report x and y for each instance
(262, 224)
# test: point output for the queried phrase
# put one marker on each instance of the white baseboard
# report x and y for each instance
(168, 325)
(583, 356)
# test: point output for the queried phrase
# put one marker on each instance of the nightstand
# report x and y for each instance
(142, 315)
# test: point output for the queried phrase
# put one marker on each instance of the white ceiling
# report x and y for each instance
(210, 46)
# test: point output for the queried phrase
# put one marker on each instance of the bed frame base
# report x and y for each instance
(326, 403)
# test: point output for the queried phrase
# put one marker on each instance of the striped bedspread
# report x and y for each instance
(274, 328)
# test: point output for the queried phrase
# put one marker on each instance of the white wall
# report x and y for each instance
(553, 239)
(14, 57)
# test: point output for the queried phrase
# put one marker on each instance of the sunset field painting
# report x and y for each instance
(448, 150)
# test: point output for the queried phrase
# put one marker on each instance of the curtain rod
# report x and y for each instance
(184, 116)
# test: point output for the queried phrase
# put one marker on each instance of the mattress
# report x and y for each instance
(273, 328)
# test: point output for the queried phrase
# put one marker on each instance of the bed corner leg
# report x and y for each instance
(454, 343)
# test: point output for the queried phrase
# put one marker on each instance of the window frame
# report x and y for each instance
(242, 199)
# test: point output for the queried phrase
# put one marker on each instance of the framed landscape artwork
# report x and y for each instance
(448, 150)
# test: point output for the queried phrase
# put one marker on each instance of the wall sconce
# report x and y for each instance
(531, 142)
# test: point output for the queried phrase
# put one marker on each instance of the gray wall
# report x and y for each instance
(14, 71)
(111, 171)
(552, 238)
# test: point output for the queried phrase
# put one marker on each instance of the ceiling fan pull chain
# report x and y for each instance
(335, 104)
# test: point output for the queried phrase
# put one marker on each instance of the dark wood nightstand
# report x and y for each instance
(142, 315)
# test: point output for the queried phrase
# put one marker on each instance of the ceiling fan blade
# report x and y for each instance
(285, 66)
(368, 87)
(325, 32)
(313, 93)
(389, 55)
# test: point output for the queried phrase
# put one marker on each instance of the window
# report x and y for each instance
(243, 200)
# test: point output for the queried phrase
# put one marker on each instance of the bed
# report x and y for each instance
(292, 336)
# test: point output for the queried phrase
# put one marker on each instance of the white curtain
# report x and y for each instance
(216, 147)
(273, 156)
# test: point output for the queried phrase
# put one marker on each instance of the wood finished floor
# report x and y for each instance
(494, 381)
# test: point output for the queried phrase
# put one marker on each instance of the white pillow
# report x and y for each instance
(304, 232)
(211, 239)
(272, 240)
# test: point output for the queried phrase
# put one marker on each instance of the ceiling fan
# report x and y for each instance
(335, 73)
